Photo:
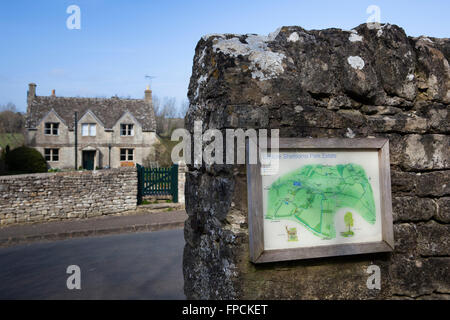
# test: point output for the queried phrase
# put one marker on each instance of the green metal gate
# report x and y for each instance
(157, 182)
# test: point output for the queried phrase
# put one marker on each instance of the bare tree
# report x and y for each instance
(156, 105)
(8, 107)
(169, 109)
(184, 108)
(11, 121)
(165, 110)
(161, 156)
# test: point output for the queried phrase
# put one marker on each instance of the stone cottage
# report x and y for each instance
(111, 132)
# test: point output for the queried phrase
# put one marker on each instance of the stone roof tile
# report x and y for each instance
(108, 111)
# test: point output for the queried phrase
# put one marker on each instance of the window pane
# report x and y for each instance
(55, 127)
(47, 154)
(123, 154)
(92, 130)
(84, 130)
(48, 129)
(130, 154)
(126, 130)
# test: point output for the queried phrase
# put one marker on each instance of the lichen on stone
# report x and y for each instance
(294, 37)
(264, 63)
(202, 56)
(200, 81)
(354, 37)
(356, 62)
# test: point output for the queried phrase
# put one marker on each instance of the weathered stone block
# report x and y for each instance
(437, 114)
(434, 184)
(433, 239)
(426, 152)
(413, 208)
(443, 210)
(413, 277)
(405, 235)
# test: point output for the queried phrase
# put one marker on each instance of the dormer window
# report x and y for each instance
(88, 129)
(51, 128)
(126, 130)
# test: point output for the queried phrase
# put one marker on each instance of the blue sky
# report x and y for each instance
(122, 41)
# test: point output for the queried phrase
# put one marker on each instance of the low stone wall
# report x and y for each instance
(63, 195)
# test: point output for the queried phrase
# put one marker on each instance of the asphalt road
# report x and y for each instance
(128, 266)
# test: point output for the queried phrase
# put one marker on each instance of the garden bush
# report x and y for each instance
(25, 160)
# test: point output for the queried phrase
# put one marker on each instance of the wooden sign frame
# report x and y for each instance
(255, 201)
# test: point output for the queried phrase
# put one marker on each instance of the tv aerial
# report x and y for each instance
(149, 79)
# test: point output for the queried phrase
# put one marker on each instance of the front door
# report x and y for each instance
(88, 160)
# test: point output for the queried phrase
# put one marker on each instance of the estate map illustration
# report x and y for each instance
(324, 202)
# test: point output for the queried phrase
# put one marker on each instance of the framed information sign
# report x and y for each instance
(315, 198)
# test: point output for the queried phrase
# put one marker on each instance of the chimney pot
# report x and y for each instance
(53, 92)
(148, 95)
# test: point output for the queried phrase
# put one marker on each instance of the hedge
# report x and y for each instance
(26, 160)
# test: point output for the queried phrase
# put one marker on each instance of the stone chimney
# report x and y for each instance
(31, 92)
(148, 95)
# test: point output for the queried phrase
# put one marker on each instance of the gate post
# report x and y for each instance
(174, 184)
(140, 182)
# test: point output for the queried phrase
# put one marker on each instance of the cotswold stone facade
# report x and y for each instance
(366, 82)
(64, 195)
(110, 133)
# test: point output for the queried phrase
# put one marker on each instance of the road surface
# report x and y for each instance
(128, 266)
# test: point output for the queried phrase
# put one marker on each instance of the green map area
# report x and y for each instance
(312, 194)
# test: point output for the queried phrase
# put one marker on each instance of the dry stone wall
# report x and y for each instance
(63, 195)
(365, 82)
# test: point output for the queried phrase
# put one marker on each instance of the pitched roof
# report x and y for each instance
(108, 111)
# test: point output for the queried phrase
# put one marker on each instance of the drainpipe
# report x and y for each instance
(76, 140)
(109, 157)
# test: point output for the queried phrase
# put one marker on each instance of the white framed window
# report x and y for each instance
(51, 155)
(88, 129)
(126, 154)
(126, 129)
(51, 128)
